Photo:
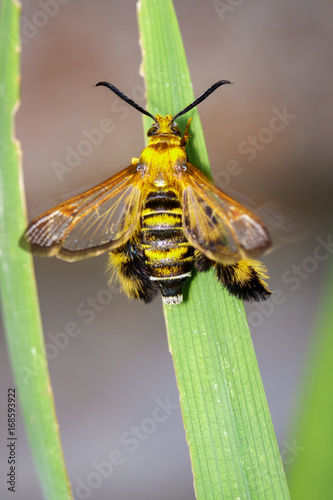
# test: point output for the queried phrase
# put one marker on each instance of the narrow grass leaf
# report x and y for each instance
(228, 426)
(311, 441)
(18, 289)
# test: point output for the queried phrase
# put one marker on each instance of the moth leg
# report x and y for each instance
(202, 263)
(127, 263)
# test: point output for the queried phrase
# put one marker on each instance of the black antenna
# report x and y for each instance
(129, 101)
(125, 98)
(201, 98)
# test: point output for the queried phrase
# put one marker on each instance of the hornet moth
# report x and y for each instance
(157, 218)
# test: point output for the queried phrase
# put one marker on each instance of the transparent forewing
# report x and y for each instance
(216, 224)
(284, 222)
(98, 220)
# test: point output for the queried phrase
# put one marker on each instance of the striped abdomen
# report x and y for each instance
(168, 255)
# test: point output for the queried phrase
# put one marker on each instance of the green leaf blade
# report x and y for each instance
(310, 462)
(18, 288)
(232, 444)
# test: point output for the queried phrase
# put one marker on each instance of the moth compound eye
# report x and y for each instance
(153, 130)
(176, 131)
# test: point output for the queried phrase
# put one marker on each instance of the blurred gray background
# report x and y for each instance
(109, 377)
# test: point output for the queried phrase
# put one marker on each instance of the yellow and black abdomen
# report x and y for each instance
(168, 255)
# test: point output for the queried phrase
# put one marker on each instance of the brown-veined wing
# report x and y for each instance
(216, 224)
(91, 223)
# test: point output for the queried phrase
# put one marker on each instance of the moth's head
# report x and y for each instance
(164, 125)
